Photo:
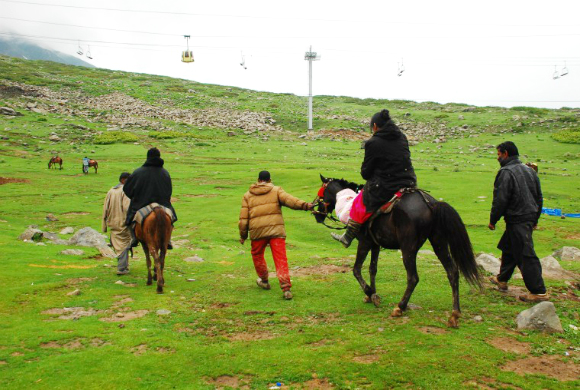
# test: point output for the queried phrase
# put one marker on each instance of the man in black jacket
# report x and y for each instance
(517, 196)
(386, 167)
(148, 184)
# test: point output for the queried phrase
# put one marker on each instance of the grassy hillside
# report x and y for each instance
(224, 332)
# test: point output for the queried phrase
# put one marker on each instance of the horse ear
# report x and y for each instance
(324, 180)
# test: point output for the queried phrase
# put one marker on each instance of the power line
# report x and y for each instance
(283, 18)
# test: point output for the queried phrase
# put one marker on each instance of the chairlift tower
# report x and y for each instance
(310, 56)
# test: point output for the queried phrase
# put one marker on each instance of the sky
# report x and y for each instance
(499, 53)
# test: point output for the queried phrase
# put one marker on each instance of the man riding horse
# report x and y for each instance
(148, 184)
(386, 168)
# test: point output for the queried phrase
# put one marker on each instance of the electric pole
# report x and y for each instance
(310, 56)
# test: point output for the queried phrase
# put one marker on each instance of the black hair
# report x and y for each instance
(509, 147)
(380, 119)
(124, 175)
(264, 176)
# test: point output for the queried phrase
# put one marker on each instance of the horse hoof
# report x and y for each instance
(149, 283)
(454, 319)
(376, 299)
(367, 299)
(159, 291)
(397, 312)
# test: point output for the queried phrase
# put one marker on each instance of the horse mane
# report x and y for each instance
(349, 184)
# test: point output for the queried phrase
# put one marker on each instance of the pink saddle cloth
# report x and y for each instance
(344, 200)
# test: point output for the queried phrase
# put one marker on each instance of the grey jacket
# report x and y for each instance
(517, 195)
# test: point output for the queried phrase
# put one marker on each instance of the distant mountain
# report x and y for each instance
(30, 51)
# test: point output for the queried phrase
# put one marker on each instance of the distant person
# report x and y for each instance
(148, 184)
(517, 197)
(114, 215)
(386, 167)
(261, 216)
(86, 162)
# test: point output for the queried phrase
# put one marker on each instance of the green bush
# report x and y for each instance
(568, 136)
(114, 137)
(166, 134)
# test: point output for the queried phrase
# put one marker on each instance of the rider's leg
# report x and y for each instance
(352, 229)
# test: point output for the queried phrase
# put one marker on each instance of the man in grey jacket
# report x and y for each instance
(517, 197)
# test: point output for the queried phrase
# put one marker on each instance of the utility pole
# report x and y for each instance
(310, 56)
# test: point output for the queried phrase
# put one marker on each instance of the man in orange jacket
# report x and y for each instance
(261, 216)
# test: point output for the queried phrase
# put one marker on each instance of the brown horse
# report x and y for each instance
(92, 163)
(154, 235)
(53, 161)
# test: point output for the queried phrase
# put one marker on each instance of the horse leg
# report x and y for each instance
(375, 250)
(440, 248)
(160, 278)
(410, 261)
(361, 254)
(148, 258)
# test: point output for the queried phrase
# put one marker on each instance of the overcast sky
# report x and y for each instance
(502, 53)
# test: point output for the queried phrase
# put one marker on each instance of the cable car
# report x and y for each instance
(187, 55)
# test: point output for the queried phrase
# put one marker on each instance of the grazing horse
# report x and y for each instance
(154, 234)
(416, 218)
(53, 161)
(92, 163)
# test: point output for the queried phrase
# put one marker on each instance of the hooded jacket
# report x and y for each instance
(147, 184)
(386, 167)
(517, 195)
(261, 213)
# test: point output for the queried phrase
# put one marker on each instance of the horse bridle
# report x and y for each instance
(319, 200)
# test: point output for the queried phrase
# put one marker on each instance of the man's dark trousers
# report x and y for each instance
(517, 249)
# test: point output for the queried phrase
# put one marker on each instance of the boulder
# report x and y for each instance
(30, 233)
(73, 252)
(541, 317)
(88, 237)
(489, 263)
(54, 138)
(67, 230)
(106, 252)
(51, 218)
(567, 253)
(9, 111)
(194, 259)
(552, 269)
(50, 236)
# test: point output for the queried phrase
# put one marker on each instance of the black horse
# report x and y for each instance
(416, 218)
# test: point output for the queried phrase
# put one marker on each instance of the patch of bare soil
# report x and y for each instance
(200, 195)
(75, 281)
(314, 384)
(71, 313)
(323, 269)
(126, 316)
(250, 336)
(73, 344)
(508, 344)
(257, 312)
(548, 365)
(164, 350)
(76, 213)
(224, 381)
(222, 305)
(489, 384)
(17, 353)
(125, 299)
(432, 330)
(139, 349)
(366, 359)
(2, 362)
(6, 180)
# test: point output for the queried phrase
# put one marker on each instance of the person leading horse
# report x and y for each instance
(386, 167)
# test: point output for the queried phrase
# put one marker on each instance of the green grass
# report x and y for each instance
(221, 324)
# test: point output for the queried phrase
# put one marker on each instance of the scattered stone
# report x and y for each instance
(194, 259)
(231, 134)
(51, 218)
(489, 263)
(106, 252)
(552, 269)
(50, 236)
(567, 253)
(119, 282)
(88, 237)
(30, 233)
(75, 292)
(163, 312)
(54, 138)
(541, 317)
(478, 319)
(67, 230)
(460, 117)
(73, 252)
(9, 111)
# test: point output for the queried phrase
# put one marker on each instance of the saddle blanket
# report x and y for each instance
(143, 212)
(344, 200)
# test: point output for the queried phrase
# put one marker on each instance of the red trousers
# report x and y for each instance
(278, 247)
(358, 212)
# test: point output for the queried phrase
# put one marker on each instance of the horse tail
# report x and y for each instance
(162, 228)
(449, 225)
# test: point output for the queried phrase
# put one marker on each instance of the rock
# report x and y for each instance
(54, 138)
(106, 251)
(88, 237)
(488, 263)
(67, 230)
(460, 117)
(75, 292)
(29, 233)
(194, 259)
(163, 312)
(50, 236)
(567, 253)
(478, 319)
(231, 134)
(120, 282)
(552, 269)
(541, 317)
(51, 218)
(73, 252)
(9, 111)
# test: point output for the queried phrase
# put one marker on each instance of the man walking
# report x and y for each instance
(517, 196)
(261, 216)
(114, 214)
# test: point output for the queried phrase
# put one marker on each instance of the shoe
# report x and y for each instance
(352, 229)
(287, 295)
(502, 286)
(534, 297)
(261, 283)
(124, 272)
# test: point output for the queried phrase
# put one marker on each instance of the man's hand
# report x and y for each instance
(309, 206)
(491, 226)
(242, 240)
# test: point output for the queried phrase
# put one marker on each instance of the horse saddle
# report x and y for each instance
(143, 212)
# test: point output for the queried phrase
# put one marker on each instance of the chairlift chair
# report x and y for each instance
(187, 55)
(556, 74)
(401, 68)
(564, 70)
(80, 50)
(243, 63)
(89, 53)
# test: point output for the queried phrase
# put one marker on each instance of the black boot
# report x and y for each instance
(352, 228)
(134, 241)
